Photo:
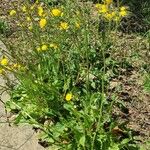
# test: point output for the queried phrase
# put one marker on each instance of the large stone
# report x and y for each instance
(14, 137)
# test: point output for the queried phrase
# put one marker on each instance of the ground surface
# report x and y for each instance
(14, 137)
(133, 52)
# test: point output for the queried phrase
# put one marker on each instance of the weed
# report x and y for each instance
(61, 68)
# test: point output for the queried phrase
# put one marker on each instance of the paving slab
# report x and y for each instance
(15, 137)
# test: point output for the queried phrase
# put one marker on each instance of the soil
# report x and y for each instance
(128, 85)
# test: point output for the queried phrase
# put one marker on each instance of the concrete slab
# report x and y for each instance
(15, 137)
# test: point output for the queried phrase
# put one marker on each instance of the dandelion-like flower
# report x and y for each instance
(102, 8)
(68, 97)
(123, 13)
(24, 9)
(12, 13)
(43, 22)
(30, 27)
(64, 26)
(16, 66)
(56, 12)
(40, 11)
(123, 8)
(98, 6)
(4, 61)
(108, 16)
(44, 47)
(28, 19)
(38, 49)
(1, 71)
(53, 45)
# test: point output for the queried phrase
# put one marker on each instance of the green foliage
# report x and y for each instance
(66, 54)
(4, 27)
(147, 83)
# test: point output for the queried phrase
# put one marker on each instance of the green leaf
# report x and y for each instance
(18, 118)
(125, 141)
(114, 147)
(66, 85)
(82, 141)
(68, 107)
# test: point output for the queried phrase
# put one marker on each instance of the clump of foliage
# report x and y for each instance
(62, 74)
(4, 27)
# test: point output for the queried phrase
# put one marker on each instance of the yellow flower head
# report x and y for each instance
(98, 6)
(12, 13)
(52, 45)
(28, 18)
(44, 47)
(40, 10)
(69, 96)
(24, 9)
(123, 8)
(108, 16)
(30, 27)
(16, 66)
(117, 19)
(56, 12)
(103, 9)
(32, 7)
(43, 22)
(64, 26)
(123, 13)
(38, 49)
(1, 71)
(4, 61)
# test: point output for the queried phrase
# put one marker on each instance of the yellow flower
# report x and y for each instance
(20, 24)
(64, 26)
(98, 6)
(30, 27)
(123, 13)
(69, 96)
(38, 49)
(28, 19)
(32, 7)
(1, 71)
(108, 2)
(12, 13)
(77, 25)
(42, 22)
(44, 47)
(103, 9)
(40, 11)
(52, 45)
(37, 1)
(108, 16)
(116, 19)
(113, 13)
(24, 9)
(16, 66)
(4, 61)
(123, 8)
(56, 12)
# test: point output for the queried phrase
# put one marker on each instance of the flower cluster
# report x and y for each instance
(5, 65)
(45, 47)
(38, 13)
(108, 11)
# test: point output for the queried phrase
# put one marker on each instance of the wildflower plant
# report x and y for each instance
(62, 85)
